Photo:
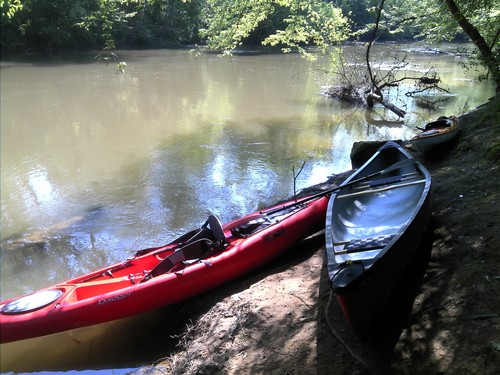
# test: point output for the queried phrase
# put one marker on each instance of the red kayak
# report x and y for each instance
(196, 262)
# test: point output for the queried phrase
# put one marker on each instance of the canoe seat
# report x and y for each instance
(370, 243)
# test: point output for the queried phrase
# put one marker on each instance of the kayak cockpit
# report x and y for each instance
(32, 302)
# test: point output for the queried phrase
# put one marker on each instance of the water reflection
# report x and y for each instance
(95, 165)
(96, 349)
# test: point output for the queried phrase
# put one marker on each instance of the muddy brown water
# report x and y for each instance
(96, 164)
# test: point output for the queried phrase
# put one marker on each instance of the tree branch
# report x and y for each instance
(486, 52)
(372, 39)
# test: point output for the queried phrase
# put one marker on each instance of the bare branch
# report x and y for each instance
(372, 39)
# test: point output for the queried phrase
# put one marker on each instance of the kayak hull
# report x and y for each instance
(128, 289)
(434, 137)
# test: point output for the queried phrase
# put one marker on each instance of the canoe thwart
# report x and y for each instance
(386, 181)
(371, 191)
(400, 178)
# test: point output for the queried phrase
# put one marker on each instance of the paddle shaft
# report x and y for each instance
(394, 166)
(186, 237)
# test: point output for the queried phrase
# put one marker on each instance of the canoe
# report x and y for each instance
(374, 224)
(436, 133)
(198, 261)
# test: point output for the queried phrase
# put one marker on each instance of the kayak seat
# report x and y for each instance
(177, 260)
(440, 123)
(217, 232)
(211, 230)
(207, 239)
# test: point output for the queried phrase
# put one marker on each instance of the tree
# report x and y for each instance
(143, 22)
(229, 23)
(62, 24)
(362, 83)
(44, 24)
(8, 26)
(488, 54)
(439, 20)
(304, 23)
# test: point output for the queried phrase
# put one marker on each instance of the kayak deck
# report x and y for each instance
(156, 277)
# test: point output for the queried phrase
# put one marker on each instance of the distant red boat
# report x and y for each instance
(196, 262)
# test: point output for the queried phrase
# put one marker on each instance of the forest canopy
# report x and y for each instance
(55, 25)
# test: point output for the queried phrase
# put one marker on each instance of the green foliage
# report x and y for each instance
(107, 24)
(395, 21)
(169, 20)
(433, 20)
(44, 24)
(358, 12)
(316, 23)
(8, 23)
(227, 24)
(142, 22)
(103, 21)
(10, 8)
(428, 19)
(301, 23)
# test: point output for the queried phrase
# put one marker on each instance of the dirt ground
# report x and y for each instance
(444, 318)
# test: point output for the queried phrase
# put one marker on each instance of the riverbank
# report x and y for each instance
(283, 319)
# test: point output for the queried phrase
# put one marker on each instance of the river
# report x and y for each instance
(97, 163)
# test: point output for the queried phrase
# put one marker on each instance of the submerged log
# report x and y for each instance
(351, 94)
(370, 119)
(372, 98)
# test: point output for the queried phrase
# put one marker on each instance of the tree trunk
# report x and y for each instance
(372, 98)
(372, 39)
(483, 47)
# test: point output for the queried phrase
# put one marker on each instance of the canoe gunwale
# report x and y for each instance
(363, 279)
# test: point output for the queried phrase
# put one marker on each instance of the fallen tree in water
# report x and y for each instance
(366, 93)
(366, 87)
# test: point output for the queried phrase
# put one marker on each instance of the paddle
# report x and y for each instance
(188, 237)
(399, 164)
